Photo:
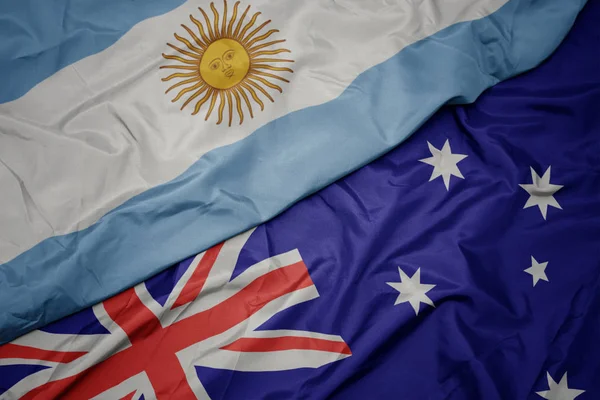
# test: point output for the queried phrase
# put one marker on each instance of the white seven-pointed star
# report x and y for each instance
(444, 163)
(412, 290)
(541, 192)
(559, 391)
(537, 270)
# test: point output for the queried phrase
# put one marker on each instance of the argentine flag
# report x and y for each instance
(136, 134)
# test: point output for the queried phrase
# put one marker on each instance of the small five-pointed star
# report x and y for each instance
(559, 391)
(412, 290)
(537, 271)
(541, 192)
(444, 163)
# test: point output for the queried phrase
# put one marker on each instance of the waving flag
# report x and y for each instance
(462, 265)
(135, 134)
(151, 341)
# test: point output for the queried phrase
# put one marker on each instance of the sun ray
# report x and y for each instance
(254, 95)
(180, 59)
(215, 20)
(249, 25)
(188, 44)
(200, 85)
(246, 100)
(231, 22)
(254, 32)
(270, 52)
(266, 83)
(185, 52)
(240, 22)
(198, 24)
(196, 38)
(272, 68)
(178, 67)
(229, 106)
(230, 60)
(261, 37)
(181, 83)
(224, 23)
(274, 60)
(193, 96)
(202, 101)
(213, 100)
(179, 75)
(208, 26)
(255, 72)
(238, 105)
(260, 88)
(263, 45)
(221, 107)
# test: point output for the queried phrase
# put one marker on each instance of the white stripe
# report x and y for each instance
(214, 295)
(192, 379)
(291, 333)
(140, 383)
(269, 361)
(221, 271)
(146, 298)
(25, 385)
(183, 281)
(104, 348)
(219, 275)
(194, 353)
(111, 326)
(278, 305)
(52, 341)
(27, 361)
(197, 353)
(225, 263)
(67, 342)
(101, 131)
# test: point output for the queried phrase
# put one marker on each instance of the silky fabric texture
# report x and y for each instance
(113, 133)
(60, 32)
(236, 187)
(491, 334)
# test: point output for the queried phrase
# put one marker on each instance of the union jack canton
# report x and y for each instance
(151, 349)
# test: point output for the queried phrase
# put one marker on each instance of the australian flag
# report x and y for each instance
(465, 264)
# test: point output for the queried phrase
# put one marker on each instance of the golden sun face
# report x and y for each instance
(231, 63)
(225, 64)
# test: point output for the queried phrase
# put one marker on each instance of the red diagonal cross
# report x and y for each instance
(153, 347)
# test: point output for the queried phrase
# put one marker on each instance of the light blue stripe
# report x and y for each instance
(236, 187)
(40, 37)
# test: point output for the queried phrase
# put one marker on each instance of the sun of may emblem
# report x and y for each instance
(227, 61)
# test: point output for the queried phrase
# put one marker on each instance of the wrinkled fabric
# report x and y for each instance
(110, 183)
(491, 333)
(113, 134)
